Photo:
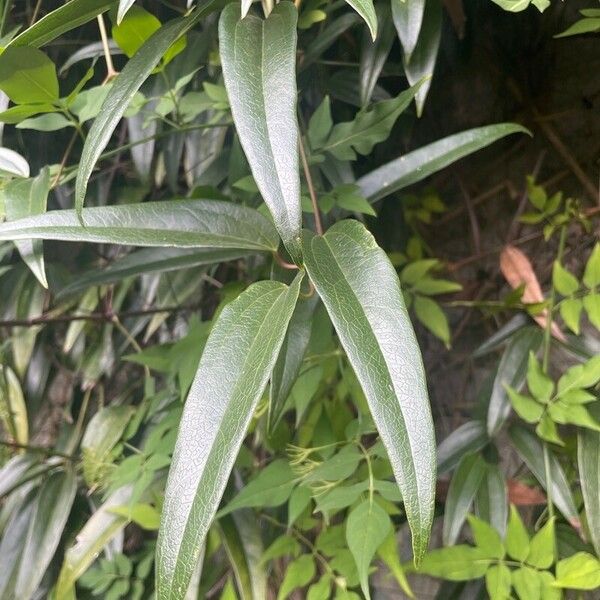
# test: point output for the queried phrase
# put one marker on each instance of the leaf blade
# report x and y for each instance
(221, 402)
(379, 331)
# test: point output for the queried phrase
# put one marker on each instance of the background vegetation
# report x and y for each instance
(183, 143)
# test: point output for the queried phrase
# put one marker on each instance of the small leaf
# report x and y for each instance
(261, 85)
(564, 281)
(462, 490)
(517, 538)
(12, 164)
(374, 328)
(423, 162)
(13, 410)
(27, 76)
(388, 553)
(233, 372)
(271, 487)
(367, 527)
(428, 311)
(591, 303)
(48, 122)
(578, 572)
(541, 547)
(570, 311)
(298, 574)
(580, 376)
(527, 583)
(498, 582)
(456, 563)
(539, 384)
(591, 275)
(320, 124)
(486, 538)
(144, 515)
(527, 408)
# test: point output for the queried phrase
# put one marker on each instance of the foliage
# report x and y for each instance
(240, 405)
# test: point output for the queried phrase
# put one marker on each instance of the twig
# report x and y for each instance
(311, 188)
(110, 68)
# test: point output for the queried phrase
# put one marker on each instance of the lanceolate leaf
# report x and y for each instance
(530, 449)
(69, 16)
(408, 17)
(259, 67)
(588, 452)
(366, 10)
(152, 260)
(375, 330)
(24, 198)
(462, 490)
(290, 358)
(421, 63)
(179, 223)
(419, 164)
(124, 88)
(52, 507)
(232, 375)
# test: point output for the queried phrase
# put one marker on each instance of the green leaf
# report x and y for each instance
(591, 275)
(52, 508)
(289, 361)
(13, 410)
(261, 85)
(527, 583)
(28, 76)
(578, 572)
(375, 330)
(588, 457)
(366, 10)
(236, 363)
(486, 538)
(469, 437)
(462, 490)
(367, 527)
(527, 408)
(498, 582)
(26, 198)
(298, 574)
(491, 500)
(12, 164)
(517, 538)
(580, 376)
(456, 563)
(124, 6)
(541, 547)
(143, 514)
(589, 25)
(374, 53)
(564, 281)
(320, 124)
(420, 63)
(124, 88)
(180, 223)
(530, 449)
(419, 164)
(512, 372)
(368, 128)
(539, 384)
(69, 16)
(20, 112)
(388, 553)
(48, 122)
(429, 312)
(102, 527)
(591, 303)
(271, 487)
(408, 17)
(570, 311)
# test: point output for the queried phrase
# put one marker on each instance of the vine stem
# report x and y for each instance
(311, 188)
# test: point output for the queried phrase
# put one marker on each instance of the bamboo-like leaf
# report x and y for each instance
(366, 10)
(530, 449)
(408, 16)
(124, 88)
(69, 16)
(52, 507)
(151, 260)
(588, 453)
(259, 68)
(233, 372)
(375, 330)
(461, 493)
(177, 223)
(419, 164)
